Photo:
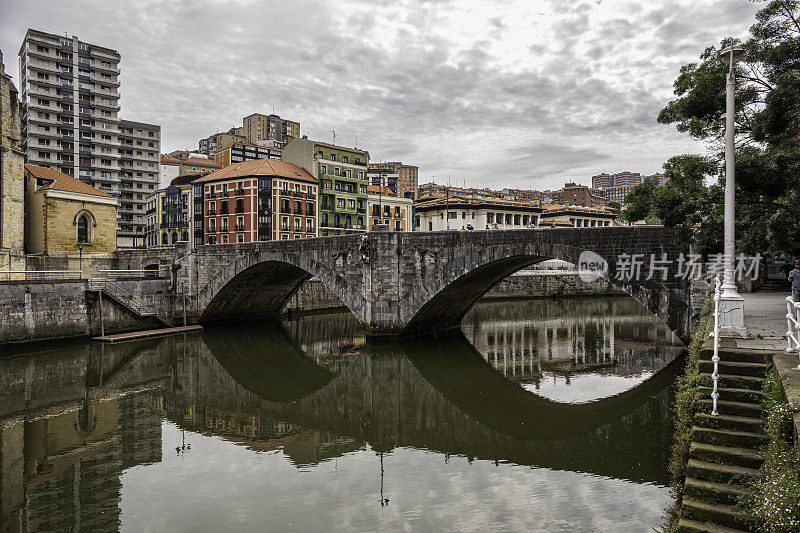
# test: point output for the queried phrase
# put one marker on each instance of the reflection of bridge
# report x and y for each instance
(438, 395)
(407, 283)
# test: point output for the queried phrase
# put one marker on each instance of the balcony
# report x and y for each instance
(239, 227)
(239, 192)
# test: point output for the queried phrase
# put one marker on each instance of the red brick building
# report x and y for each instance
(257, 200)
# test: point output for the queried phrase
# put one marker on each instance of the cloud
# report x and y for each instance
(438, 84)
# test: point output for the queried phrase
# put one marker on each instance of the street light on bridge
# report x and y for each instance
(731, 303)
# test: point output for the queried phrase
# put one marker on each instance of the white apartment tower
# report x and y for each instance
(140, 153)
(70, 107)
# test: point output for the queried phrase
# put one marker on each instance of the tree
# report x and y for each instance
(767, 140)
(615, 205)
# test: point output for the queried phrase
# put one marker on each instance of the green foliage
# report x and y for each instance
(773, 499)
(767, 134)
(613, 204)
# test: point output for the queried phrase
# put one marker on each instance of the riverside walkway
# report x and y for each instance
(725, 450)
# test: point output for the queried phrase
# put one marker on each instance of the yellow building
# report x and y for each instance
(386, 208)
(258, 127)
(64, 215)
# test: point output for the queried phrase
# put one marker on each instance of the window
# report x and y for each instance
(349, 173)
(323, 169)
(344, 159)
(83, 229)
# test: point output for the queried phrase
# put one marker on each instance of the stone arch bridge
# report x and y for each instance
(408, 283)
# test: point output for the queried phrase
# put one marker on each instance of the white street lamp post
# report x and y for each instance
(731, 303)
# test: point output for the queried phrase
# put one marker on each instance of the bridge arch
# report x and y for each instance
(259, 283)
(470, 268)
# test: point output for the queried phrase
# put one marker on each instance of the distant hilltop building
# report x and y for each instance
(617, 186)
(581, 195)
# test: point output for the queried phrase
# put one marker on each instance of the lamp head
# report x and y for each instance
(732, 54)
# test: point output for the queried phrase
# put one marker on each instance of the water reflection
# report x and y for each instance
(207, 431)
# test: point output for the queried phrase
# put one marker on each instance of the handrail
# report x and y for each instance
(715, 358)
(793, 326)
(40, 274)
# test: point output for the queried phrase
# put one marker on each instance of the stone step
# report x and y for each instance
(754, 409)
(686, 525)
(728, 437)
(712, 492)
(719, 473)
(744, 457)
(738, 382)
(740, 356)
(733, 394)
(738, 423)
(714, 513)
(736, 368)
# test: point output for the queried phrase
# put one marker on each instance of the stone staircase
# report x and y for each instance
(123, 297)
(724, 452)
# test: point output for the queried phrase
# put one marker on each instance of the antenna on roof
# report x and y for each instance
(334, 136)
(356, 141)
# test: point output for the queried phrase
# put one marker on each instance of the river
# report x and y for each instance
(539, 416)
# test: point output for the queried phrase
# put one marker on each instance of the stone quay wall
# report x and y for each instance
(35, 310)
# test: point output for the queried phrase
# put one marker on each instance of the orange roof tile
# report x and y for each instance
(259, 167)
(375, 189)
(58, 181)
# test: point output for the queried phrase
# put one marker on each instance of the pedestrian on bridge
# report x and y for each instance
(794, 277)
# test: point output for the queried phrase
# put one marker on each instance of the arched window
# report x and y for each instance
(174, 237)
(83, 229)
(185, 236)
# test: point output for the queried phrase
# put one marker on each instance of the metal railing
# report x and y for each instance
(715, 357)
(25, 275)
(143, 273)
(793, 326)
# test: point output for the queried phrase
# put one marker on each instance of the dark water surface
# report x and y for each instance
(542, 416)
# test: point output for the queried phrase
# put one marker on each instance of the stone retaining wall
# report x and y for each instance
(40, 310)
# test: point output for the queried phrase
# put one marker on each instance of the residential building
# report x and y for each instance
(65, 215)
(213, 143)
(140, 149)
(582, 195)
(170, 212)
(601, 181)
(407, 182)
(468, 213)
(618, 193)
(258, 127)
(257, 200)
(617, 186)
(240, 151)
(342, 174)
(12, 177)
(385, 208)
(70, 102)
(179, 163)
(441, 191)
(576, 216)
(383, 177)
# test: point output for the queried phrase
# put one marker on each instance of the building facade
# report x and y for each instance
(576, 216)
(65, 215)
(466, 213)
(140, 152)
(342, 175)
(186, 163)
(258, 200)
(70, 102)
(258, 127)
(213, 143)
(239, 152)
(407, 182)
(170, 213)
(388, 210)
(12, 177)
(582, 195)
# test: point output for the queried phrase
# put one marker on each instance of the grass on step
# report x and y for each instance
(773, 500)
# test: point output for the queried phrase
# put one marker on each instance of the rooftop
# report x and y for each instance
(58, 181)
(259, 167)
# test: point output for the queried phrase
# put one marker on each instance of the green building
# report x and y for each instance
(342, 176)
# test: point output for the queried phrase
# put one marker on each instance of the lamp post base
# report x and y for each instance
(731, 317)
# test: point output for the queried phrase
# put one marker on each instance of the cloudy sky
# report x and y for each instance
(502, 93)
